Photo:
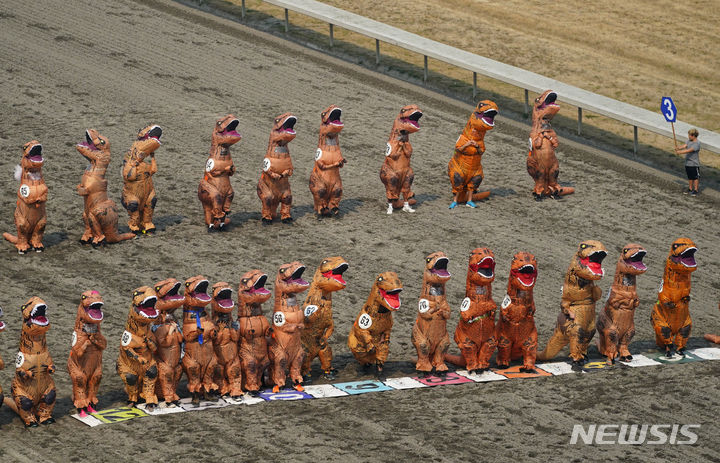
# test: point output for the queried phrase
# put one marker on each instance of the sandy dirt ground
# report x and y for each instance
(119, 65)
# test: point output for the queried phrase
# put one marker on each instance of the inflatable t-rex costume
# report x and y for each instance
(325, 182)
(226, 340)
(215, 192)
(136, 364)
(465, 167)
(429, 335)
(273, 188)
(138, 194)
(576, 320)
(168, 338)
(254, 329)
(542, 164)
(30, 216)
(516, 331)
(318, 313)
(671, 314)
(33, 388)
(369, 338)
(85, 360)
(475, 332)
(710, 337)
(616, 322)
(100, 213)
(396, 173)
(286, 352)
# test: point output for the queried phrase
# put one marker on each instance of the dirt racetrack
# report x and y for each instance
(117, 65)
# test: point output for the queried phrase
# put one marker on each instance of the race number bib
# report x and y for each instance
(388, 149)
(126, 338)
(24, 190)
(19, 360)
(74, 339)
(423, 305)
(266, 164)
(278, 319)
(661, 287)
(530, 143)
(506, 301)
(209, 165)
(365, 321)
(311, 309)
(465, 305)
(318, 154)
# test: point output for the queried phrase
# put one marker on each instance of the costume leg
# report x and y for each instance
(438, 356)
(683, 334)
(422, 345)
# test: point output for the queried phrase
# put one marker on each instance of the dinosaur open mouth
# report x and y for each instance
(172, 294)
(486, 267)
(488, 117)
(289, 124)
(155, 133)
(334, 117)
(549, 100)
(95, 311)
(594, 262)
(2, 325)
(336, 273)
(147, 307)
(230, 129)
(687, 258)
(636, 260)
(440, 268)
(414, 118)
(526, 275)
(200, 291)
(37, 316)
(296, 277)
(35, 154)
(259, 286)
(88, 143)
(224, 298)
(392, 297)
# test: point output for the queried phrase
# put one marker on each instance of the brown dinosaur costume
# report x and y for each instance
(616, 322)
(33, 388)
(396, 173)
(168, 338)
(318, 313)
(516, 332)
(475, 332)
(199, 363)
(369, 338)
(215, 192)
(430, 335)
(465, 167)
(709, 337)
(273, 188)
(85, 360)
(671, 314)
(286, 352)
(576, 320)
(30, 216)
(542, 164)
(138, 194)
(254, 329)
(100, 213)
(136, 364)
(226, 340)
(325, 182)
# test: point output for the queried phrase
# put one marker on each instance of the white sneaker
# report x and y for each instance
(407, 208)
(390, 209)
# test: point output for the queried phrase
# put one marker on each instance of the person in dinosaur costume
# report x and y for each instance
(465, 167)
(136, 364)
(286, 351)
(515, 330)
(542, 164)
(85, 359)
(475, 332)
(671, 314)
(226, 340)
(429, 334)
(273, 188)
(369, 338)
(396, 173)
(576, 321)
(714, 338)
(215, 192)
(2, 363)
(318, 313)
(254, 329)
(100, 213)
(616, 322)
(168, 338)
(138, 194)
(30, 216)
(33, 388)
(325, 182)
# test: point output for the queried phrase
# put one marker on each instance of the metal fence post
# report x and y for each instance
(635, 140)
(287, 21)
(332, 41)
(579, 120)
(425, 75)
(474, 85)
(377, 52)
(527, 104)
(242, 10)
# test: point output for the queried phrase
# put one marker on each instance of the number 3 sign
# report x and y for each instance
(667, 107)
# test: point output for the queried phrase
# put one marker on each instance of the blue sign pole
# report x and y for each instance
(669, 111)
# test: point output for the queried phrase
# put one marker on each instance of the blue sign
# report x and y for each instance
(667, 107)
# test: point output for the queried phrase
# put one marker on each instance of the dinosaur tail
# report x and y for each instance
(712, 338)
(555, 344)
(457, 360)
(10, 403)
(115, 237)
(12, 238)
(480, 195)
(566, 190)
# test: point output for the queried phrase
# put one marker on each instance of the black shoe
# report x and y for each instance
(266, 221)
(694, 193)
(50, 420)
(287, 220)
(687, 192)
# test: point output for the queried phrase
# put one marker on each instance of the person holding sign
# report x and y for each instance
(691, 150)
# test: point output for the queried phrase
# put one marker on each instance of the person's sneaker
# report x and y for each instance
(687, 192)
(694, 193)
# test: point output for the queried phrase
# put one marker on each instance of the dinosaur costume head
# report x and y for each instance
(34, 313)
(330, 121)
(682, 256)
(148, 140)
(168, 294)
(222, 301)
(545, 106)
(329, 275)
(523, 272)
(587, 263)
(631, 259)
(95, 148)
(90, 310)
(225, 132)
(289, 279)
(388, 287)
(283, 131)
(436, 271)
(143, 309)
(483, 118)
(481, 267)
(408, 121)
(196, 294)
(252, 288)
(32, 156)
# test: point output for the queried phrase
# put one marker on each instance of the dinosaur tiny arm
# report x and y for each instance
(326, 335)
(99, 340)
(81, 346)
(153, 165)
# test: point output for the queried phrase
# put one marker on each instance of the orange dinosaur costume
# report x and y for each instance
(542, 164)
(516, 331)
(168, 338)
(396, 173)
(33, 389)
(429, 335)
(325, 182)
(465, 167)
(254, 329)
(30, 216)
(318, 313)
(215, 192)
(709, 337)
(671, 314)
(369, 338)
(576, 320)
(286, 352)
(138, 194)
(100, 213)
(136, 364)
(226, 340)
(85, 360)
(273, 188)
(616, 322)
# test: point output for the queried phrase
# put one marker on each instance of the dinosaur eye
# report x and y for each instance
(380, 279)
(102, 142)
(428, 260)
(282, 270)
(277, 120)
(244, 280)
(157, 288)
(136, 293)
(625, 250)
(23, 307)
(84, 297)
(675, 246)
(187, 285)
(324, 262)
(583, 246)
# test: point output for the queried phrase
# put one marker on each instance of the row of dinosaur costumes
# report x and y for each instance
(215, 190)
(220, 355)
